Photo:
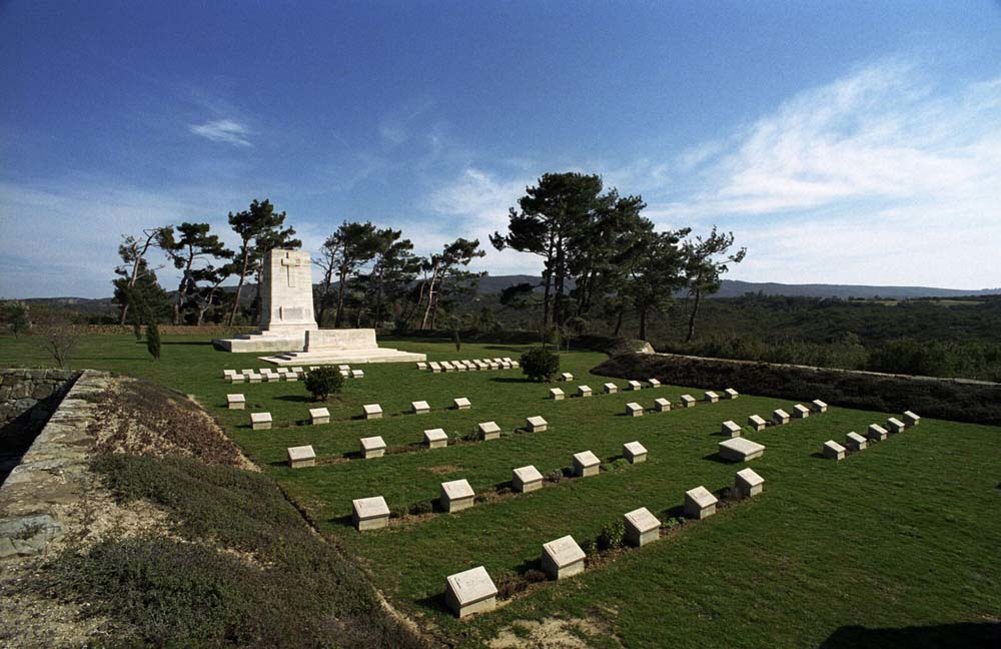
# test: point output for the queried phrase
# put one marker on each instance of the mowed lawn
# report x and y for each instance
(903, 536)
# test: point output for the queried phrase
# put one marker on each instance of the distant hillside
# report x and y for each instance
(731, 288)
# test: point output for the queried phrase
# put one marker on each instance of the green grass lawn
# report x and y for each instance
(902, 535)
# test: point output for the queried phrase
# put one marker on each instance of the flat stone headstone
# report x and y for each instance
(700, 503)
(799, 411)
(372, 411)
(634, 409)
(461, 403)
(556, 394)
(447, 366)
(237, 378)
(818, 406)
(435, 438)
(634, 385)
(246, 372)
(586, 464)
(911, 419)
(372, 447)
(298, 370)
(757, 422)
(420, 407)
(583, 391)
(562, 558)
(687, 401)
(730, 393)
(260, 420)
(661, 404)
(456, 495)
(634, 452)
(357, 374)
(748, 483)
(271, 377)
(422, 365)
(346, 368)
(566, 376)
(228, 373)
(894, 425)
(855, 442)
(710, 396)
(435, 367)
(291, 377)
(833, 451)
(876, 432)
(488, 430)
(236, 401)
(301, 456)
(254, 377)
(470, 592)
(642, 527)
(780, 416)
(526, 478)
(345, 373)
(370, 513)
(610, 388)
(319, 416)
(729, 428)
(536, 424)
(740, 449)
(653, 383)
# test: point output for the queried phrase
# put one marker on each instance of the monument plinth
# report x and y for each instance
(288, 328)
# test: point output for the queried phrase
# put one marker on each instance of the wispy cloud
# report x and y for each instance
(882, 133)
(223, 130)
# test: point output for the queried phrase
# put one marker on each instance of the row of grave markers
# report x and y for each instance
(290, 374)
(473, 591)
(457, 495)
(468, 365)
(875, 433)
(263, 420)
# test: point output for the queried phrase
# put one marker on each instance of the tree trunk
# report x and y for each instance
(432, 297)
(239, 285)
(618, 322)
(324, 294)
(693, 314)
(643, 313)
(341, 282)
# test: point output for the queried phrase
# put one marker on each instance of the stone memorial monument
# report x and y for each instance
(288, 326)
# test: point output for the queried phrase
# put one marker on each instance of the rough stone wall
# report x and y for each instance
(27, 400)
(956, 399)
(22, 389)
(50, 477)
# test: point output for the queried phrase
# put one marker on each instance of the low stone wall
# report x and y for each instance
(956, 399)
(27, 399)
(52, 473)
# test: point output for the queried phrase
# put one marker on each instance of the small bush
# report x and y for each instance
(587, 545)
(540, 364)
(324, 381)
(612, 535)
(153, 340)
(398, 511)
(534, 576)
(555, 476)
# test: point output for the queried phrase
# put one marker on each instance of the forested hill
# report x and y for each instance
(731, 288)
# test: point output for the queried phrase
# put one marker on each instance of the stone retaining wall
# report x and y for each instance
(23, 389)
(52, 474)
(956, 399)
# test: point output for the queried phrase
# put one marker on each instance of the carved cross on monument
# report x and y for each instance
(290, 265)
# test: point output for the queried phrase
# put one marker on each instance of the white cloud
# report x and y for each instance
(880, 178)
(223, 130)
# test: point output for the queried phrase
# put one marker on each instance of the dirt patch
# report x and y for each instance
(137, 417)
(549, 633)
(442, 469)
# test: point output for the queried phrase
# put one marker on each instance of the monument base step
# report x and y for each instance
(344, 356)
(262, 342)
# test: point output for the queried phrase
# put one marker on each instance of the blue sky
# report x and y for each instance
(841, 142)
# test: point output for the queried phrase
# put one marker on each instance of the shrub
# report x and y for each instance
(555, 475)
(324, 381)
(540, 364)
(153, 340)
(612, 535)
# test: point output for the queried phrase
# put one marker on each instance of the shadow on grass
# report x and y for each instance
(510, 379)
(298, 398)
(343, 521)
(972, 635)
(818, 455)
(434, 603)
(716, 457)
(186, 343)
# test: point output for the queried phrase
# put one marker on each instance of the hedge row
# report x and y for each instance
(956, 399)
